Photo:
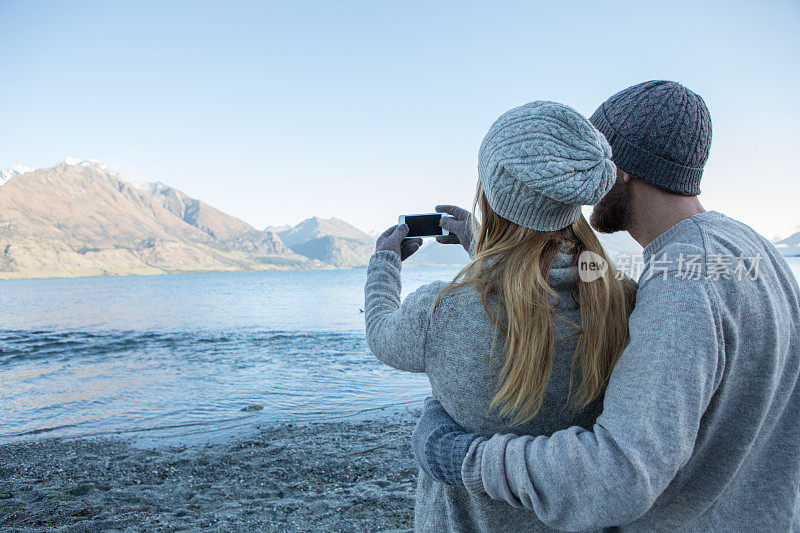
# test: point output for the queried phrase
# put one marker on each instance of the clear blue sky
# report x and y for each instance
(275, 112)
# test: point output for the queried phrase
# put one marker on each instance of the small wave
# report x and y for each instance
(39, 431)
(31, 345)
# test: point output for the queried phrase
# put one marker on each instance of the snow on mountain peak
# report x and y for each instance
(74, 161)
(9, 173)
(96, 164)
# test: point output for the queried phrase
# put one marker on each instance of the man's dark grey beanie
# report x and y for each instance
(659, 132)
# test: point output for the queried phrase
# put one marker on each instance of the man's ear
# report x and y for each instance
(623, 176)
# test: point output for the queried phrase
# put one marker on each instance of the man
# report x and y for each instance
(700, 427)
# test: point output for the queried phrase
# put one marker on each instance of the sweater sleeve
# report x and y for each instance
(396, 333)
(657, 393)
(472, 245)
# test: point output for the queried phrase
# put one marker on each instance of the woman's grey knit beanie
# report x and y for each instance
(541, 162)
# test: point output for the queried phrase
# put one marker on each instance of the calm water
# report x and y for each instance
(183, 354)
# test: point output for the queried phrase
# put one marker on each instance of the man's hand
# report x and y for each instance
(394, 239)
(458, 224)
(440, 444)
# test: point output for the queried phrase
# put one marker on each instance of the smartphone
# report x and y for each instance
(422, 225)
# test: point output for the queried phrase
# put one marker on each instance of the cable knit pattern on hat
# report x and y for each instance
(660, 132)
(541, 162)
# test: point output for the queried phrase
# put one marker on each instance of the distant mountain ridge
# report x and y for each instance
(331, 240)
(316, 227)
(790, 246)
(196, 213)
(79, 218)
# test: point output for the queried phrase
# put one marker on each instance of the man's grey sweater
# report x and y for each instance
(700, 429)
(454, 352)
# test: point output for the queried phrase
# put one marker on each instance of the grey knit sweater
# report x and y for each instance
(700, 429)
(454, 352)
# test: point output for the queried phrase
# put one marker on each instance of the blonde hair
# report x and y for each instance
(518, 276)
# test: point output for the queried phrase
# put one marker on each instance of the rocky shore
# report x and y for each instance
(318, 477)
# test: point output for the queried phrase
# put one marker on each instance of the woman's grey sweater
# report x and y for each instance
(454, 353)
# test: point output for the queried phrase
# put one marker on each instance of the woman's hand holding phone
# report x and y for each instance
(394, 239)
(458, 224)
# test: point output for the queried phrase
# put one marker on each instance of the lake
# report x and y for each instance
(181, 355)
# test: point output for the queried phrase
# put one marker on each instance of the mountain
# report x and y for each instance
(79, 218)
(330, 240)
(278, 229)
(337, 251)
(791, 240)
(790, 246)
(7, 174)
(316, 227)
(82, 219)
(209, 220)
(233, 234)
(266, 247)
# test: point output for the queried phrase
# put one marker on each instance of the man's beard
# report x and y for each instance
(614, 211)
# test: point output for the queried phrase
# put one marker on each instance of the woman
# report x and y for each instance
(516, 342)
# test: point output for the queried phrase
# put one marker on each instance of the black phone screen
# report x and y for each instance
(423, 225)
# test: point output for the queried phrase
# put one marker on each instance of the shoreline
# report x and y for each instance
(344, 476)
(14, 276)
(11, 276)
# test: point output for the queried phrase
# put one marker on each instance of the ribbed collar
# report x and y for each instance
(662, 240)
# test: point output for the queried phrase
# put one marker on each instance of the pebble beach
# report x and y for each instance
(341, 476)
